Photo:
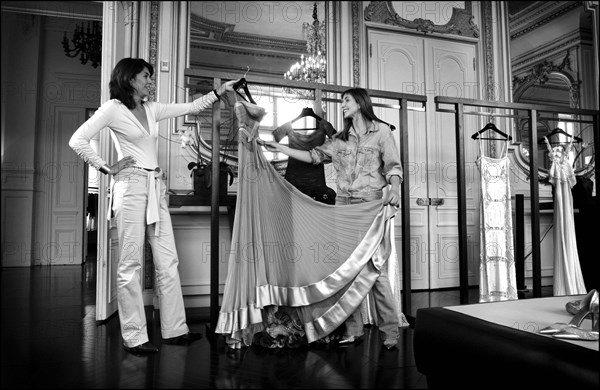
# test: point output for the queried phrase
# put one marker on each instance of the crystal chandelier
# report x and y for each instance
(311, 68)
(86, 44)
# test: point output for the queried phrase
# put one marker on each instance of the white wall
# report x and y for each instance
(37, 77)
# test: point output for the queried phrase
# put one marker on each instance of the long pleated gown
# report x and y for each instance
(288, 250)
(568, 279)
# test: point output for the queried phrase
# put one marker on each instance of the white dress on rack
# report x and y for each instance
(568, 279)
(497, 268)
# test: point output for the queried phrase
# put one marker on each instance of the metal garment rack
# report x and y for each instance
(319, 90)
(532, 114)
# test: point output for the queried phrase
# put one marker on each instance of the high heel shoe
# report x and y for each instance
(576, 333)
(574, 306)
(586, 309)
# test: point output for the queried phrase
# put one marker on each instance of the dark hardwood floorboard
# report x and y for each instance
(50, 339)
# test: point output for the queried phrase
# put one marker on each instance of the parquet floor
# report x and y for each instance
(50, 339)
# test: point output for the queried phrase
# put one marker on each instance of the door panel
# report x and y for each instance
(426, 66)
(68, 219)
(108, 242)
(452, 75)
(396, 66)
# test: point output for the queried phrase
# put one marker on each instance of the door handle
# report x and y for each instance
(423, 201)
(430, 201)
(436, 201)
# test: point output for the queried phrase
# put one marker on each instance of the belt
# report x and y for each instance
(157, 169)
(153, 190)
(373, 195)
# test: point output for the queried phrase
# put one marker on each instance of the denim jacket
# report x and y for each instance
(363, 167)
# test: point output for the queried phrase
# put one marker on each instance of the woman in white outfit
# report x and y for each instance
(138, 198)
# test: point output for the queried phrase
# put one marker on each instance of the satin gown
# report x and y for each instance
(295, 263)
(568, 279)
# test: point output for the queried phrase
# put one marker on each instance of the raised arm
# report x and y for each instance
(165, 111)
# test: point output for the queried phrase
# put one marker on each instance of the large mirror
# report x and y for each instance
(549, 68)
(252, 39)
(551, 88)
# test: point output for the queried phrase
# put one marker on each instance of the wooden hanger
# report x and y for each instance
(558, 130)
(242, 83)
(307, 111)
(491, 126)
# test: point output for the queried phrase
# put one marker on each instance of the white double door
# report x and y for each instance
(433, 67)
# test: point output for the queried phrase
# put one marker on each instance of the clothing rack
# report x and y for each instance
(458, 108)
(401, 102)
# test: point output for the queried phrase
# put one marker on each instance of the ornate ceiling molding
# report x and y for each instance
(203, 31)
(460, 23)
(89, 10)
(552, 49)
(539, 75)
(540, 71)
(536, 16)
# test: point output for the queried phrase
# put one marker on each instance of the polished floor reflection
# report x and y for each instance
(50, 339)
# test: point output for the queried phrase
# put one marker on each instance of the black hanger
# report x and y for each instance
(392, 127)
(242, 83)
(307, 111)
(491, 126)
(558, 130)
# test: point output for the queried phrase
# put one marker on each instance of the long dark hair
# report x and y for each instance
(361, 96)
(120, 79)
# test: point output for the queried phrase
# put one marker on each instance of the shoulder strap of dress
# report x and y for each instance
(505, 151)
(480, 147)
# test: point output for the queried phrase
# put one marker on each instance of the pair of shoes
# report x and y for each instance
(589, 307)
(390, 343)
(347, 340)
(574, 306)
(147, 347)
(185, 339)
(576, 332)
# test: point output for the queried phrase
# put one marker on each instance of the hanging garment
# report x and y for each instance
(92, 210)
(307, 177)
(497, 275)
(289, 251)
(568, 279)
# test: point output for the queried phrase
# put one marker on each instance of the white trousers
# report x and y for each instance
(129, 203)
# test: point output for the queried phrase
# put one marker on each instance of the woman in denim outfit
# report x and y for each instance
(366, 160)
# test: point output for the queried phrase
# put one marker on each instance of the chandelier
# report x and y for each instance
(311, 68)
(86, 43)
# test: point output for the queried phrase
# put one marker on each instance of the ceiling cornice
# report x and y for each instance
(211, 34)
(538, 15)
(86, 10)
